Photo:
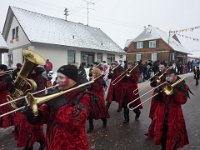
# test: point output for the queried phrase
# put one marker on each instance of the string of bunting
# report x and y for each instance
(188, 37)
(185, 30)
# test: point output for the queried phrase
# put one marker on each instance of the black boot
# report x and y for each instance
(91, 125)
(126, 115)
(42, 145)
(137, 114)
(104, 122)
(28, 148)
(119, 109)
(107, 106)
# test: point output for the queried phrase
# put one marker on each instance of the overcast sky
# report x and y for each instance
(121, 19)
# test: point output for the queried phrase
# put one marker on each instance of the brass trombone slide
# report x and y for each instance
(142, 88)
(128, 105)
(155, 78)
(34, 101)
(127, 73)
(168, 90)
(22, 98)
(113, 69)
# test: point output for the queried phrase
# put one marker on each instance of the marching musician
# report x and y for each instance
(170, 129)
(154, 102)
(66, 115)
(114, 91)
(99, 108)
(25, 133)
(128, 85)
(6, 86)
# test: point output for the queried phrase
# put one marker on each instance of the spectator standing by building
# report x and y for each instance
(48, 66)
(15, 72)
(196, 75)
(81, 71)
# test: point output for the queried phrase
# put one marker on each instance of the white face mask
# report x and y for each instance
(61, 80)
(129, 66)
(170, 78)
(162, 68)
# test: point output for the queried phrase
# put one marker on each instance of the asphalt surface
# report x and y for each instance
(119, 136)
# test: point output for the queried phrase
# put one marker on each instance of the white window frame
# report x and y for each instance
(154, 56)
(139, 45)
(110, 58)
(99, 57)
(152, 44)
(71, 56)
(138, 56)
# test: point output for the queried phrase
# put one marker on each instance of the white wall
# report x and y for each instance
(105, 57)
(17, 57)
(58, 56)
(4, 58)
(22, 39)
(78, 57)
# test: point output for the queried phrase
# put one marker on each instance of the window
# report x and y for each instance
(10, 59)
(154, 56)
(139, 45)
(99, 57)
(71, 57)
(17, 29)
(138, 57)
(15, 32)
(152, 44)
(110, 58)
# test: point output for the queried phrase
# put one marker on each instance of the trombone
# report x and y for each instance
(143, 87)
(95, 79)
(168, 89)
(153, 81)
(113, 69)
(33, 102)
(126, 73)
(22, 98)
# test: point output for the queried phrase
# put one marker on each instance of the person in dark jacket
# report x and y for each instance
(196, 75)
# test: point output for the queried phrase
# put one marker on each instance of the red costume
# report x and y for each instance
(170, 127)
(6, 86)
(99, 106)
(65, 118)
(128, 85)
(154, 104)
(114, 91)
(27, 134)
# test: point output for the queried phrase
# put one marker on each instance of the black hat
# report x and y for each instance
(70, 71)
(170, 71)
(3, 67)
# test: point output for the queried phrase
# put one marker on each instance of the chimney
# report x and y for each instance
(66, 13)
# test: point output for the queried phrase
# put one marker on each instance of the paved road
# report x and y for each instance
(131, 136)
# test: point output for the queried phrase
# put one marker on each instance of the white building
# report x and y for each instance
(60, 41)
(3, 51)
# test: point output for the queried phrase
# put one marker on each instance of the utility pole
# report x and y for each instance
(88, 9)
(66, 13)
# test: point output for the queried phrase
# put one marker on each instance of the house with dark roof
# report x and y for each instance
(3, 50)
(59, 40)
(154, 44)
